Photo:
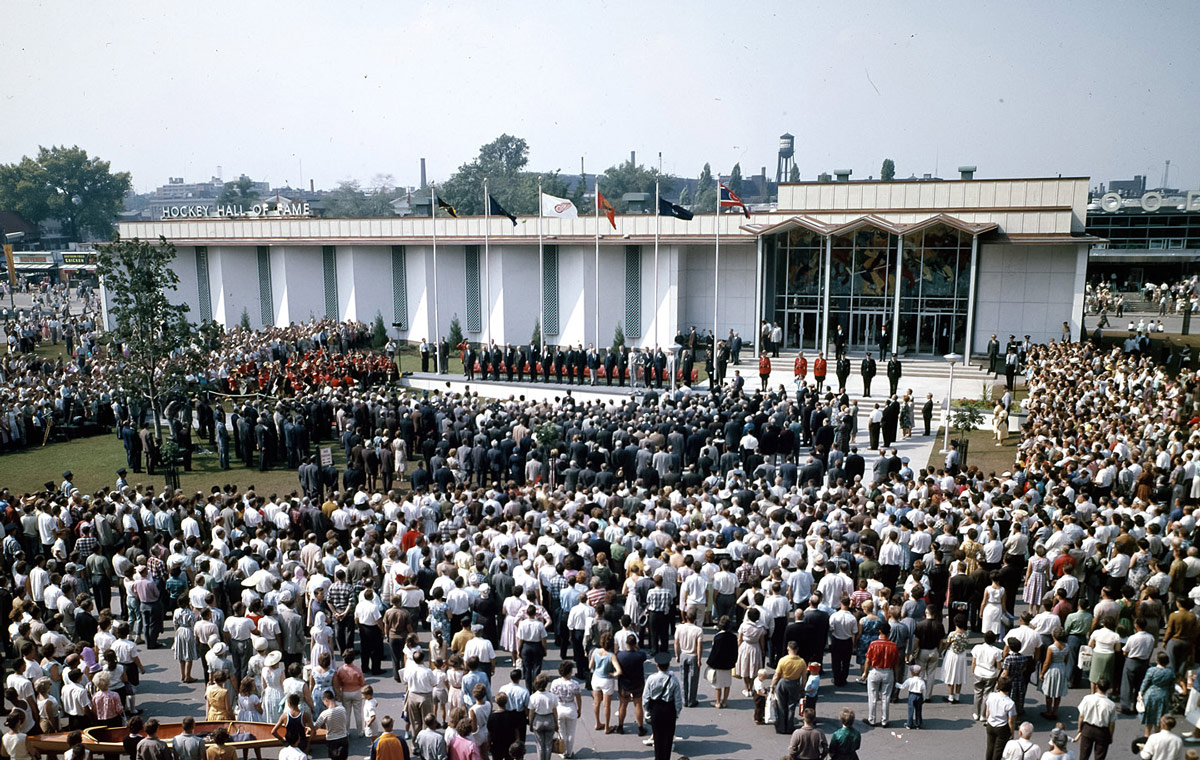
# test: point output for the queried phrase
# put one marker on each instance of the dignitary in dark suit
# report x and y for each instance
(581, 363)
(610, 366)
(894, 372)
(722, 364)
(842, 369)
(660, 366)
(510, 361)
(444, 356)
(891, 418)
(993, 355)
(469, 362)
(927, 412)
(868, 373)
(547, 363)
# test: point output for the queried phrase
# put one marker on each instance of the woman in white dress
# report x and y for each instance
(956, 662)
(399, 456)
(992, 612)
(633, 608)
(322, 638)
(514, 610)
(272, 687)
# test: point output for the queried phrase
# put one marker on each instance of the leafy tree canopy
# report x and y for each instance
(240, 191)
(887, 172)
(350, 200)
(159, 350)
(65, 184)
(705, 201)
(502, 163)
(628, 177)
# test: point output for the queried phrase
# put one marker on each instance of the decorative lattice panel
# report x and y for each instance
(633, 291)
(400, 286)
(329, 261)
(266, 301)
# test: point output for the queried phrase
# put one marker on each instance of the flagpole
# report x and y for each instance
(717, 263)
(583, 179)
(437, 343)
(487, 273)
(541, 279)
(657, 221)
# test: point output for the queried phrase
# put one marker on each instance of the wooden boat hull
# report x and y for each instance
(106, 740)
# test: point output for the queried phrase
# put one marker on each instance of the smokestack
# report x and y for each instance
(966, 172)
(312, 185)
(422, 172)
(633, 157)
(764, 174)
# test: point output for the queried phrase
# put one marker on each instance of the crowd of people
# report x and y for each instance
(504, 559)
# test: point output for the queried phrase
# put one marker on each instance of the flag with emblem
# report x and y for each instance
(446, 207)
(559, 208)
(666, 208)
(498, 210)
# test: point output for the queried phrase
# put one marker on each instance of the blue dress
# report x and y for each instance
(870, 632)
(1156, 694)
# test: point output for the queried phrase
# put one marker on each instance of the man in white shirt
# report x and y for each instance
(419, 683)
(1163, 745)
(1000, 719)
(1022, 747)
(370, 628)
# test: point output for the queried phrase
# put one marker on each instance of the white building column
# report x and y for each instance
(825, 295)
(759, 281)
(969, 343)
(896, 295)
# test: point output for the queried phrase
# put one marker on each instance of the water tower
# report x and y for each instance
(787, 147)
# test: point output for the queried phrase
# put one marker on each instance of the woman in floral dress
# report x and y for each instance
(956, 663)
(1037, 573)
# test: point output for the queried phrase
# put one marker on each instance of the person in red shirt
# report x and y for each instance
(878, 671)
(764, 368)
(800, 367)
(819, 370)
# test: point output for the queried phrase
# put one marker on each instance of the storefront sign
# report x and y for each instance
(1151, 201)
(220, 211)
(79, 258)
(33, 258)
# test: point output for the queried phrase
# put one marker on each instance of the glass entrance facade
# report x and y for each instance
(795, 274)
(934, 266)
(862, 285)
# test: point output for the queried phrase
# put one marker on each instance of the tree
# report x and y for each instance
(706, 192)
(244, 322)
(618, 336)
(67, 185)
(500, 162)
(239, 192)
(456, 335)
(735, 179)
(350, 200)
(536, 338)
(887, 172)
(153, 340)
(795, 174)
(684, 196)
(628, 177)
(379, 336)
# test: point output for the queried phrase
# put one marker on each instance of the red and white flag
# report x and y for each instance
(559, 208)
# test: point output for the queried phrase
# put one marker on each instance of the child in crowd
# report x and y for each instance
(915, 686)
(1014, 666)
(441, 689)
(762, 686)
(812, 686)
(370, 722)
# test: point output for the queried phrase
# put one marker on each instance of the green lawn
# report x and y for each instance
(94, 462)
(982, 451)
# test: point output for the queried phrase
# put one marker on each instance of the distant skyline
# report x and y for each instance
(333, 91)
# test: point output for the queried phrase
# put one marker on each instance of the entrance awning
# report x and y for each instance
(78, 268)
(34, 267)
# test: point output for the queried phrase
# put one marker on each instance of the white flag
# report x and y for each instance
(560, 208)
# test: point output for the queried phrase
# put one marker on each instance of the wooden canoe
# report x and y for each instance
(106, 740)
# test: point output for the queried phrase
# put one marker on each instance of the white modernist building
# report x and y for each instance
(940, 264)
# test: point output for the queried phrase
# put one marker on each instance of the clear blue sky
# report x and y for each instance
(355, 89)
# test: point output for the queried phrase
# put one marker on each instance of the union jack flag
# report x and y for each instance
(730, 199)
